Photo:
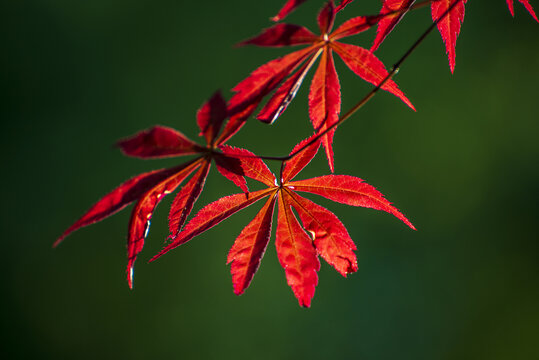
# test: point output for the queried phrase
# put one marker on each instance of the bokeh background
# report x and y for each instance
(78, 75)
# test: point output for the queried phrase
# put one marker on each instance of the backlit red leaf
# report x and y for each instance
(139, 224)
(231, 168)
(282, 35)
(293, 166)
(526, 4)
(210, 117)
(157, 142)
(249, 247)
(238, 116)
(185, 199)
(330, 237)
(325, 102)
(368, 67)
(278, 103)
(354, 26)
(263, 80)
(348, 190)
(449, 26)
(388, 22)
(119, 198)
(288, 7)
(251, 165)
(296, 254)
(343, 4)
(212, 214)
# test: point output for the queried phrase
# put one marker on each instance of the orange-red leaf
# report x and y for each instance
(139, 224)
(293, 166)
(330, 237)
(325, 102)
(368, 67)
(526, 4)
(449, 26)
(158, 142)
(249, 247)
(296, 254)
(212, 214)
(348, 190)
(185, 199)
(388, 22)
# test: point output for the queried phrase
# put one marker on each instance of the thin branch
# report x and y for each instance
(371, 93)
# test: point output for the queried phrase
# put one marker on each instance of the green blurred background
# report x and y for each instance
(78, 75)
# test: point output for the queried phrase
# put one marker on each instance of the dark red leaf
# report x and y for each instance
(288, 7)
(264, 79)
(210, 117)
(249, 247)
(343, 4)
(139, 224)
(185, 199)
(388, 22)
(158, 142)
(326, 17)
(348, 190)
(238, 116)
(325, 102)
(449, 27)
(296, 254)
(330, 237)
(368, 67)
(284, 95)
(119, 198)
(282, 35)
(231, 169)
(251, 165)
(354, 26)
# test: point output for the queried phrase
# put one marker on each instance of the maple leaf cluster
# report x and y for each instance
(305, 230)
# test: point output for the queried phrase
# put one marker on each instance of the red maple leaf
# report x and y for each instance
(449, 26)
(526, 4)
(298, 245)
(324, 96)
(291, 5)
(391, 18)
(148, 189)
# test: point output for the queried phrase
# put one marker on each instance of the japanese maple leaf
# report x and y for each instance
(325, 95)
(298, 245)
(394, 11)
(526, 4)
(291, 5)
(449, 26)
(148, 189)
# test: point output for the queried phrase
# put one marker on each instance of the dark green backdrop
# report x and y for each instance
(78, 75)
